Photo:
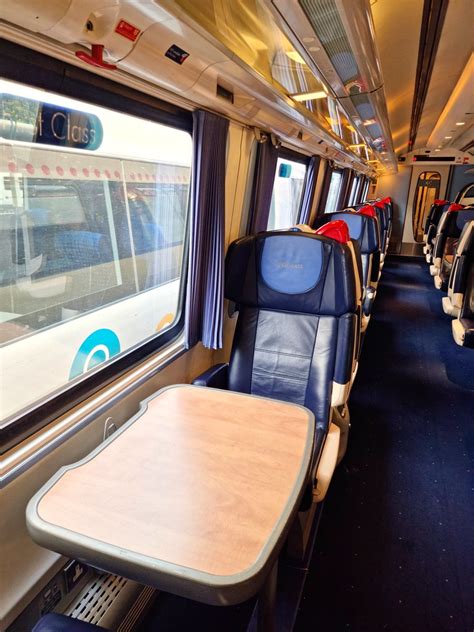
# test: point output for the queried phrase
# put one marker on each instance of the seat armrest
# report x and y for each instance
(215, 377)
(327, 463)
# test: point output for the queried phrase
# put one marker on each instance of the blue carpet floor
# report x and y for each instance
(395, 549)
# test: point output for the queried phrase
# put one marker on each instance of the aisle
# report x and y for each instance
(395, 550)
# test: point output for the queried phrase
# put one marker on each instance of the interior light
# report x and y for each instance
(370, 121)
(309, 96)
(357, 146)
(437, 149)
(461, 123)
(448, 137)
(295, 56)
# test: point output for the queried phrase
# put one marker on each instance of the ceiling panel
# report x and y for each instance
(454, 50)
(397, 30)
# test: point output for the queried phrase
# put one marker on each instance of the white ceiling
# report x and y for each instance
(397, 26)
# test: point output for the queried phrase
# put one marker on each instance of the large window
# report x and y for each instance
(287, 193)
(334, 192)
(93, 210)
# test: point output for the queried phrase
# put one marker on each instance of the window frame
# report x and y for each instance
(29, 67)
(340, 192)
(290, 154)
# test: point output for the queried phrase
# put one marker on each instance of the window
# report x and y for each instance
(354, 191)
(334, 192)
(92, 233)
(287, 193)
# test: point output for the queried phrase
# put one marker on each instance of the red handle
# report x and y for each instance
(96, 58)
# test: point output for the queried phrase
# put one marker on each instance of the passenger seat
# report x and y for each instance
(463, 260)
(449, 231)
(431, 226)
(296, 333)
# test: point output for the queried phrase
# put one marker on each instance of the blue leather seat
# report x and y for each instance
(449, 230)
(383, 221)
(364, 231)
(297, 327)
(431, 226)
(53, 622)
(463, 260)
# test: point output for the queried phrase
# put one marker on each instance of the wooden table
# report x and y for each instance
(194, 495)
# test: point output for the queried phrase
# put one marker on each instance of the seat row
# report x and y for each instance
(449, 248)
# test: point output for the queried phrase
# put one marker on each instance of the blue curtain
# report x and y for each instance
(205, 286)
(267, 157)
(309, 189)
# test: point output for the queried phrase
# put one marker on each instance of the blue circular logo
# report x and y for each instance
(99, 347)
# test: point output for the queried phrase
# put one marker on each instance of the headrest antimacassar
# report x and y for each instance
(386, 200)
(455, 207)
(337, 230)
(368, 210)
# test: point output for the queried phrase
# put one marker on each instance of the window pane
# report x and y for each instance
(354, 189)
(287, 193)
(91, 239)
(333, 193)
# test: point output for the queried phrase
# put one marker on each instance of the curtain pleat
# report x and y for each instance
(205, 287)
(267, 157)
(309, 189)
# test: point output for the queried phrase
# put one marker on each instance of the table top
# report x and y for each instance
(193, 495)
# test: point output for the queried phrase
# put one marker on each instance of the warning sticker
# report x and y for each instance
(127, 30)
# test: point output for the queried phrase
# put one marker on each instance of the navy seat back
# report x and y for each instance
(434, 214)
(297, 328)
(363, 230)
(463, 260)
(449, 230)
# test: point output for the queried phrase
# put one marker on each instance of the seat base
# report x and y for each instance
(448, 307)
(463, 332)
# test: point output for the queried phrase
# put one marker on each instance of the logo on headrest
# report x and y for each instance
(290, 266)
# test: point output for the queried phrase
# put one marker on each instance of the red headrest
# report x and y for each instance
(368, 210)
(336, 229)
(455, 207)
(379, 204)
(387, 200)
(441, 202)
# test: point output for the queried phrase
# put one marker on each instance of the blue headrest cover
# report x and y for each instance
(292, 272)
(362, 228)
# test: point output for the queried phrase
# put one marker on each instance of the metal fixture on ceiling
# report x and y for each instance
(337, 41)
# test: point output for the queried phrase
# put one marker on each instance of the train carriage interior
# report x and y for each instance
(236, 315)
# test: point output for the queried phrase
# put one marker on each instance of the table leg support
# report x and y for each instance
(266, 621)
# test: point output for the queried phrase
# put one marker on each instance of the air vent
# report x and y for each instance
(98, 598)
(324, 18)
(224, 93)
